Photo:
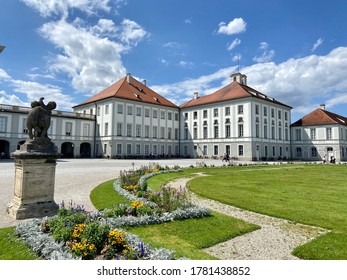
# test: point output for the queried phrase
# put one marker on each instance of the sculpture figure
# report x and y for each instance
(39, 118)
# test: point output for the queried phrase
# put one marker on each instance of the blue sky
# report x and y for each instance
(68, 50)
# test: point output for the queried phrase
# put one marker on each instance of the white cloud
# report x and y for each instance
(48, 8)
(11, 99)
(266, 56)
(186, 64)
(4, 75)
(304, 82)
(92, 62)
(237, 25)
(132, 32)
(188, 21)
(181, 92)
(317, 44)
(34, 91)
(237, 58)
(234, 44)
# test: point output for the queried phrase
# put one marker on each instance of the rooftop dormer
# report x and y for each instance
(240, 78)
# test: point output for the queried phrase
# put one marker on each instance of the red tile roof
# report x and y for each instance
(321, 117)
(230, 92)
(134, 90)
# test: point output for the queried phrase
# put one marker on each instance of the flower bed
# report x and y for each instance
(77, 234)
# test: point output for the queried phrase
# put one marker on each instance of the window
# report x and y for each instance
(155, 151)
(128, 149)
(119, 149)
(216, 131)
(313, 133)
(155, 131)
(138, 130)
(272, 132)
(215, 112)
(105, 148)
(91, 111)
(68, 129)
(176, 116)
(25, 129)
(215, 150)
(240, 130)
(280, 133)
(240, 148)
(130, 110)
(205, 134)
(272, 113)
(86, 129)
(169, 132)
(195, 115)
(186, 116)
(119, 109)
(257, 109)
(138, 111)
(204, 114)
(265, 131)
(195, 133)
(106, 129)
(98, 111)
(285, 116)
(162, 132)
(240, 109)
(257, 130)
(162, 115)
(129, 129)
(147, 113)
(266, 151)
(273, 151)
(3, 124)
(204, 150)
(169, 116)
(329, 133)
(155, 114)
(227, 131)
(227, 111)
(279, 115)
(162, 149)
(265, 111)
(176, 133)
(298, 152)
(146, 131)
(138, 149)
(107, 109)
(286, 134)
(298, 134)
(146, 149)
(185, 133)
(119, 129)
(313, 152)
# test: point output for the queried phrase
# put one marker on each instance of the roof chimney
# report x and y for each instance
(129, 78)
(322, 106)
(144, 82)
(196, 95)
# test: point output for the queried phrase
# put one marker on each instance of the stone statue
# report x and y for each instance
(39, 118)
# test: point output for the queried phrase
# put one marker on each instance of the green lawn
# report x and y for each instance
(309, 194)
(11, 248)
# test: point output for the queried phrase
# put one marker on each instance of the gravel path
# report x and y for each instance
(276, 239)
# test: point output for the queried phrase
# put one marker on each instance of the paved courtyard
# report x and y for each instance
(75, 178)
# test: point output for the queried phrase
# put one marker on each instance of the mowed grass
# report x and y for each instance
(12, 248)
(309, 194)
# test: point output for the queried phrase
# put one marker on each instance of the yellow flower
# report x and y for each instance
(136, 204)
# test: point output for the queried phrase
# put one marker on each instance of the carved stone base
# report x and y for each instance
(34, 180)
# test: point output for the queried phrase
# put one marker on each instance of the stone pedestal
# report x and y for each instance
(35, 164)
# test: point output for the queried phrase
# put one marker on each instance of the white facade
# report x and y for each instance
(130, 129)
(246, 129)
(319, 142)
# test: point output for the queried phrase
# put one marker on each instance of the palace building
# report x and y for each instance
(130, 120)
